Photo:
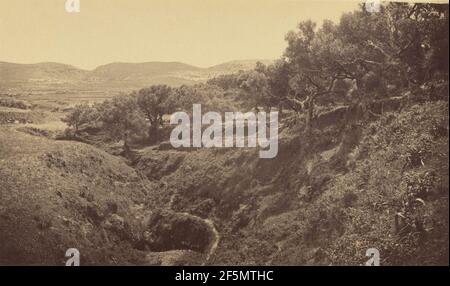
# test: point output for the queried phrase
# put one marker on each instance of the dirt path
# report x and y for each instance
(215, 241)
(209, 223)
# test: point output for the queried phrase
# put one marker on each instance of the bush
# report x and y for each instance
(14, 103)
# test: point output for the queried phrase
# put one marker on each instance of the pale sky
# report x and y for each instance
(197, 32)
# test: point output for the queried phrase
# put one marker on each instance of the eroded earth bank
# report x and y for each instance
(379, 181)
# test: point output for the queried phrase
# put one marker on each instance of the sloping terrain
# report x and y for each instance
(124, 71)
(58, 195)
(237, 65)
(39, 72)
(326, 198)
(358, 182)
(16, 115)
(114, 75)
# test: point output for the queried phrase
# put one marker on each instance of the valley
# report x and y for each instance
(217, 205)
(357, 157)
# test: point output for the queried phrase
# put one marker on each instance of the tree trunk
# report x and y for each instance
(153, 132)
(309, 118)
(126, 147)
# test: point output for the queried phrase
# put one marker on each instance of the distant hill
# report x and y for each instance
(41, 72)
(237, 65)
(133, 71)
(126, 75)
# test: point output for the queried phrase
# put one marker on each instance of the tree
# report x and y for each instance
(186, 96)
(121, 119)
(256, 85)
(314, 59)
(278, 81)
(78, 116)
(155, 102)
(226, 81)
(402, 44)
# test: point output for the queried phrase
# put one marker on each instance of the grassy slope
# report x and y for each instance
(326, 198)
(56, 195)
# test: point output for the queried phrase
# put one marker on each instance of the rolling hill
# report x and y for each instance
(41, 72)
(133, 71)
(237, 65)
(126, 75)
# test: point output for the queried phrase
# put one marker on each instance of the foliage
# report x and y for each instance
(14, 103)
(119, 118)
(362, 58)
(79, 115)
(255, 84)
(155, 102)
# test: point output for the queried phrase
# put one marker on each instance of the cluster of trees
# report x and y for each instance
(365, 56)
(141, 113)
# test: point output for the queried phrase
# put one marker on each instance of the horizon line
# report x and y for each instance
(131, 62)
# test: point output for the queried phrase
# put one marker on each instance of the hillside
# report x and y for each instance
(361, 117)
(324, 199)
(11, 73)
(237, 65)
(124, 75)
(139, 71)
(367, 181)
(57, 195)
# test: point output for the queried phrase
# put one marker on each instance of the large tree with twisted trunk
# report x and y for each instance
(399, 46)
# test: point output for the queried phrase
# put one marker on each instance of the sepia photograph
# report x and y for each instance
(224, 133)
